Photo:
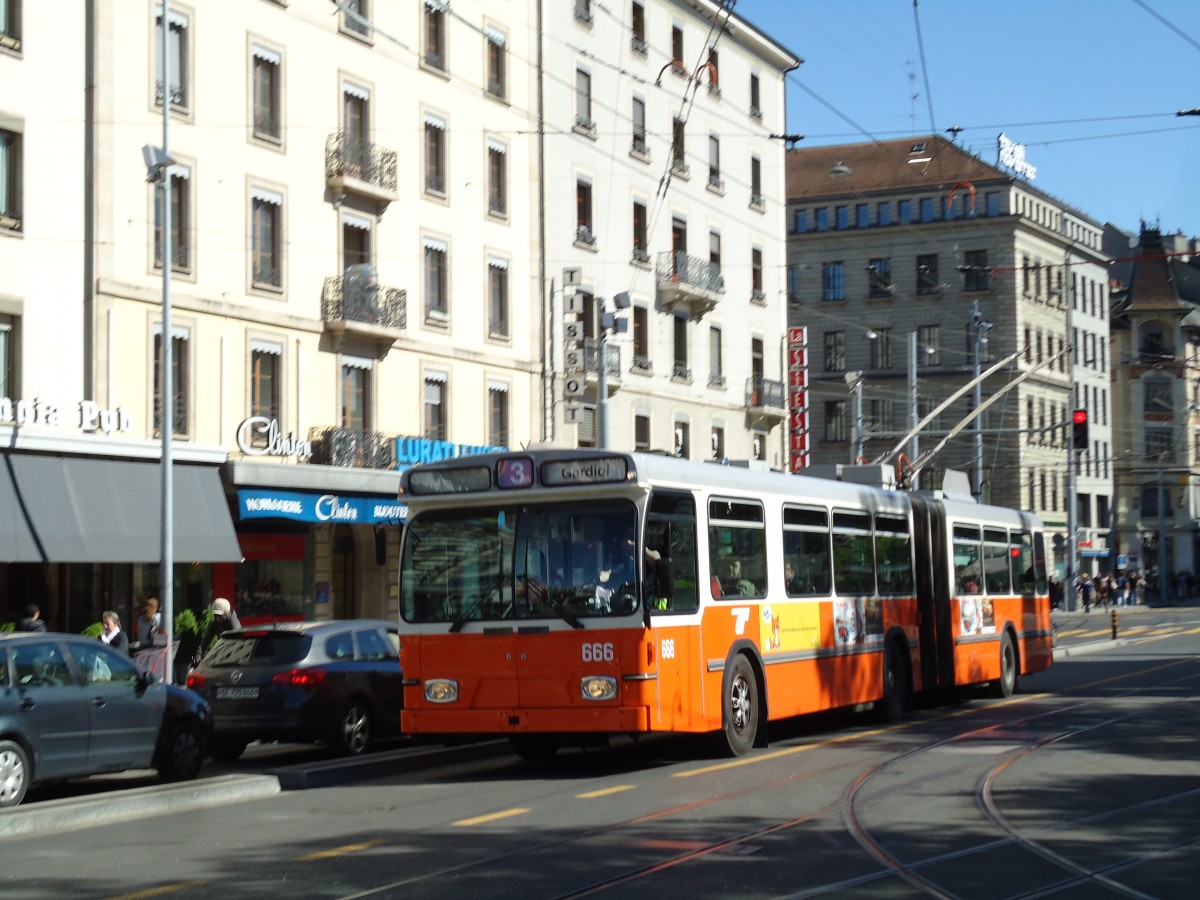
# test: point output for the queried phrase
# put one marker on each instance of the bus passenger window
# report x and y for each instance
(968, 577)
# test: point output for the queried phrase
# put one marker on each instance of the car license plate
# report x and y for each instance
(237, 693)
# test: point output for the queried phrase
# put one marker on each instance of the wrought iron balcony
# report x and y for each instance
(765, 398)
(591, 363)
(354, 303)
(690, 283)
(351, 448)
(361, 168)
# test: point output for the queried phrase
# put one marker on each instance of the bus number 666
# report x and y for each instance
(598, 652)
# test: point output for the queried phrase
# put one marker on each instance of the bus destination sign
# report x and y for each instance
(597, 470)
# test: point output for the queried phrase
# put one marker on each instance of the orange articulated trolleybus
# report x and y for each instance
(560, 595)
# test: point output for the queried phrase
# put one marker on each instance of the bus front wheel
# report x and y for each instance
(741, 709)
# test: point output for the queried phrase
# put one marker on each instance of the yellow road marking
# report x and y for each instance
(161, 890)
(592, 795)
(492, 817)
(1193, 631)
(339, 851)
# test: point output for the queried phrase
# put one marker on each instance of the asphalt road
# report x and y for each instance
(1086, 783)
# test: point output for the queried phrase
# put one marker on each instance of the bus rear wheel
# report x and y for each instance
(1007, 682)
(741, 710)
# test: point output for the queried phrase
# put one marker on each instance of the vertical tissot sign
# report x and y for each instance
(798, 398)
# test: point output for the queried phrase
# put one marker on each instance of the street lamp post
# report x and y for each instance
(981, 330)
(608, 323)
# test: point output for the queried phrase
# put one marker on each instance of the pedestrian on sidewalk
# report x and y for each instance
(1085, 589)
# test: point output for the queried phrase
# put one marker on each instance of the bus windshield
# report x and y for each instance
(551, 560)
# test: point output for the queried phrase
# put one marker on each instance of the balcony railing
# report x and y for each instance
(591, 358)
(693, 283)
(351, 448)
(765, 397)
(347, 299)
(360, 161)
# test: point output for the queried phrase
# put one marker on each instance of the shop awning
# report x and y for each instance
(58, 509)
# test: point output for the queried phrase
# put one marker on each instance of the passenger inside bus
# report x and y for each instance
(735, 584)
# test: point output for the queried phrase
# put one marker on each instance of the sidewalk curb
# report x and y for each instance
(69, 813)
(1086, 649)
(380, 765)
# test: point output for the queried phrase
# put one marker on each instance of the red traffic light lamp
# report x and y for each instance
(1079, 429)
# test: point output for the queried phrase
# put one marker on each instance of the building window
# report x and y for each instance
(757, 295)
(1158, 399)
(266, 239)
(928, 352)
(835, 351)
(862, 215)
(835, 420)
(682, 369)
(683, 440)
(180, 209)
(1158, 442)
(641, 433)
(583, 213)
(991, 202)
(714, 249)
(833, 281)
(266, 93)
(793, 285)
(714, 162)
(641, 340)
(718, 443)
(678, 148)
(8, 353)
(756, 188)
(435, 156)
(177, 60)
(714, 66)
(497, 297)
(583, 100)
(677, 50)
(355, 17)
(977, 271)
(926, 209)
(641, 248)
(264, 385)
(497, 62)
(881, 349)
(10, 28)
(179, 384)
(10, 180)
(356, 393)
(755, 98)
(841, 218)
(497, 175)
(879, 278)
(356, 118)
(927, 274)
(637, 28)
(435, 407)
(883, 416)
(497, 414)
(583, 11)
(638, 125)
(435, 36)
(904, 211)
(821, 216)
(437, 300)
(799, 221)
(883, 214)
(716, 373)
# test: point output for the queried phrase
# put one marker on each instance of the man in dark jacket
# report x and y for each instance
(33, 619)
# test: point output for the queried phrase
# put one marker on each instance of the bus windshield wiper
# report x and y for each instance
(539, 593)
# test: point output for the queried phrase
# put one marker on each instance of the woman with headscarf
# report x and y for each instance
(223, 619)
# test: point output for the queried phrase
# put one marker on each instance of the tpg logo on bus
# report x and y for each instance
(584, 471)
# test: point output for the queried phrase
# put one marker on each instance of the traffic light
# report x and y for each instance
(1079, 429)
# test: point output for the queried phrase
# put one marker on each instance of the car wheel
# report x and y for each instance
(353, 734)
(183, 754)
(228, 751)
(14, 773)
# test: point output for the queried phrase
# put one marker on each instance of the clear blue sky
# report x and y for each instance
(1091, 87)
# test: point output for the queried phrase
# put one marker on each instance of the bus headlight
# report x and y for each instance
(441, 690)
(598, 687)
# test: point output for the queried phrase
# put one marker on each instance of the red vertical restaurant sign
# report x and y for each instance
(798, 397)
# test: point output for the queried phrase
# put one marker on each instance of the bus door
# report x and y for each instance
(933, 595)
(671, 589)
